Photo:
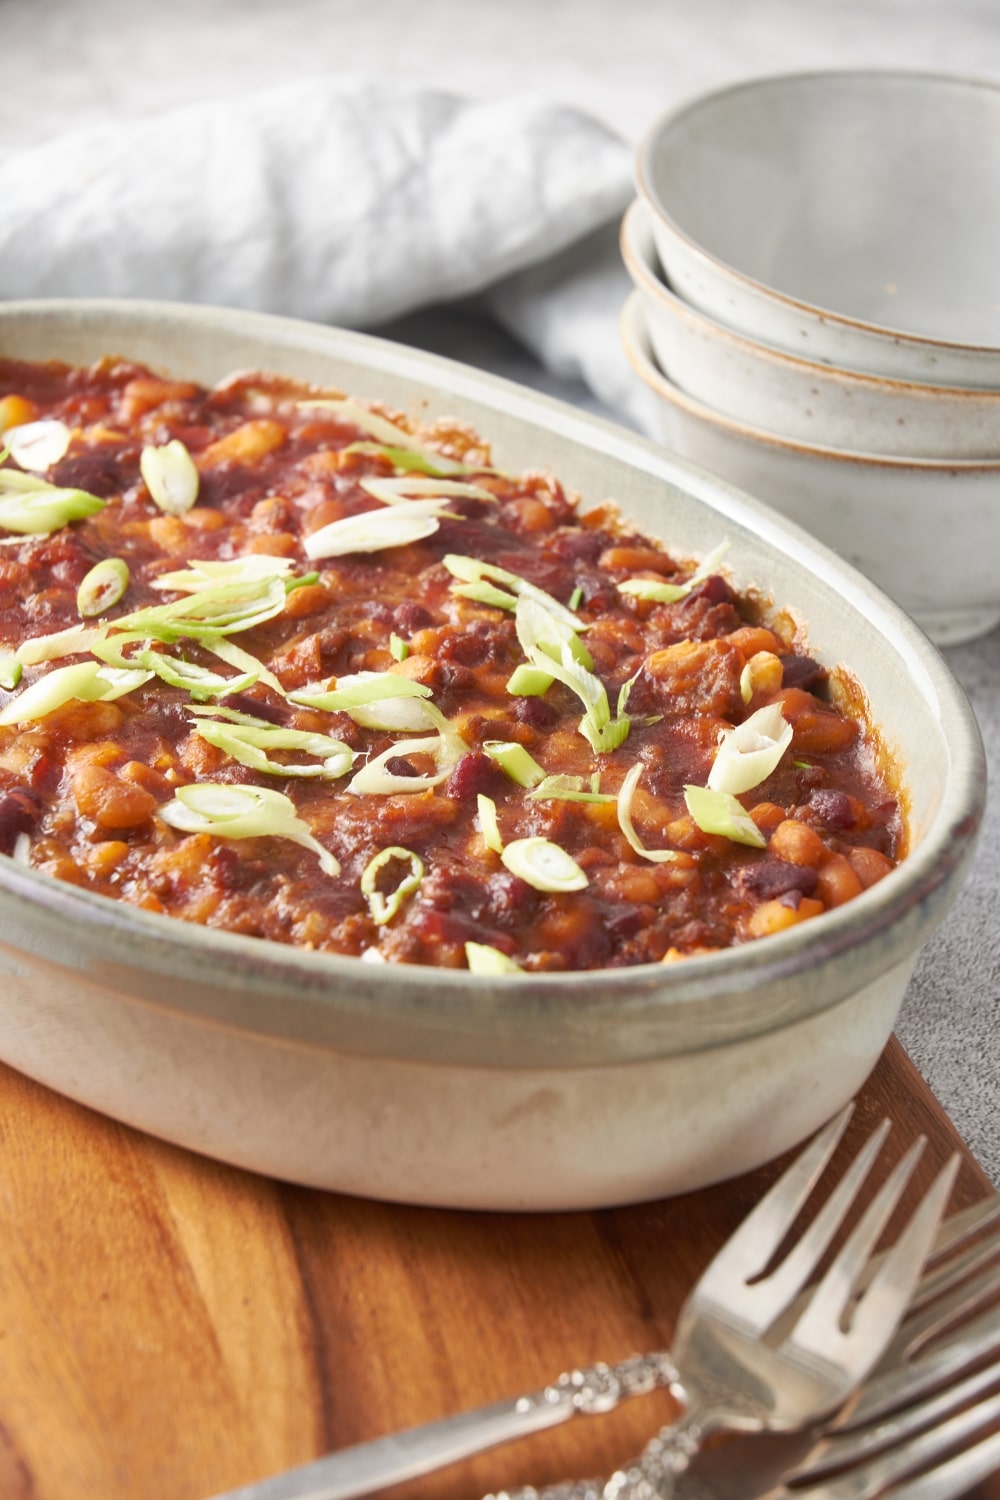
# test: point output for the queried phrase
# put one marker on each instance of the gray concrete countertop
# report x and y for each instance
(66, 65)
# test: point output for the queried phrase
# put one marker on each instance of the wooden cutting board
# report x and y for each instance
(170, 1327)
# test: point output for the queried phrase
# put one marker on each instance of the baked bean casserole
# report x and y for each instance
(289, 664)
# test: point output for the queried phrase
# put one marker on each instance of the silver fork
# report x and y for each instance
(740, 1366)
(924, 1451)
(805, 1377)
(951, 1326)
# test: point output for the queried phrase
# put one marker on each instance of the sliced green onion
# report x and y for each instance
(486, 810)
(540, 627)
(384, 908)
(482, 959)
(10, 670)
(660, 592)
(243, 812)
(529, 682)
(210, 572)
(720, 813)
(375, 779)
(403, 458)
(473, 570)
(601, 732)
(481, 592)
(375, 530)
(38, 445)
(194, 679)
(375, 700)
(568, 789)
(544, 865)
(38, 512)
(384, 431)
(513, 759)
(243, 661)
(120, 680)
(398, 648)
(171, 477)
(102, 587)
(249, 742)
(625, 795)
(223, 609)
(70, 642)
(575, 598)
(82, 681)
(749, 753)
(402, 490)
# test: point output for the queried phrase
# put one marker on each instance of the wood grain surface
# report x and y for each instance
(171, 1327)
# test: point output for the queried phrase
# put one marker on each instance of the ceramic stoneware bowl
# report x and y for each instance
(799, 398)
(506, 1091)
(927, 531)
(845, 217)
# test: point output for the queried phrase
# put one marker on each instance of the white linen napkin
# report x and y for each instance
(344, 200)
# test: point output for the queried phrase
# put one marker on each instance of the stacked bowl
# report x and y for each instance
(816, 317)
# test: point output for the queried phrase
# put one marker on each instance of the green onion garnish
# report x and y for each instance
(171, 477)
(249, 740)
(749, 753)
(576, 598)
(86, 681)
(658, 591)
(625, 796)
(102, 587)
(720, 813)
(376, 530)
(375, 700)
(540, 627)
(403, 458)
(470, 570)
(529, 682)
(384, 908)
(40, 511)
(69, 642)
(10, 670)
(482, 959)
(544, 865)
(223, 609)
(384, 431)
(515, 761)
(599, 729)
(194, 679)
(244, 661)
(208, 573)
(243, 812)
(406, 488)
(486, 810)
(569, 789)
(375, 778)
(398, 648)
(38, 445)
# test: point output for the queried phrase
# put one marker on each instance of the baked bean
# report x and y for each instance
(868, 865)
(776, 916)
(838, 881)
(798, 844)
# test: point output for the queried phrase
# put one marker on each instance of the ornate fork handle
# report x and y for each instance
(651, 1476)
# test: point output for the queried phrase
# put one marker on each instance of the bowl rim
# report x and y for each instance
(640, 356)
(588, 1019)
(646, 185)
(644, 275)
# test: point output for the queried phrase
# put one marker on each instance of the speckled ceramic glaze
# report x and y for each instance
(927, 531)
(513, 1092)
(848, 216)
(799, 398)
